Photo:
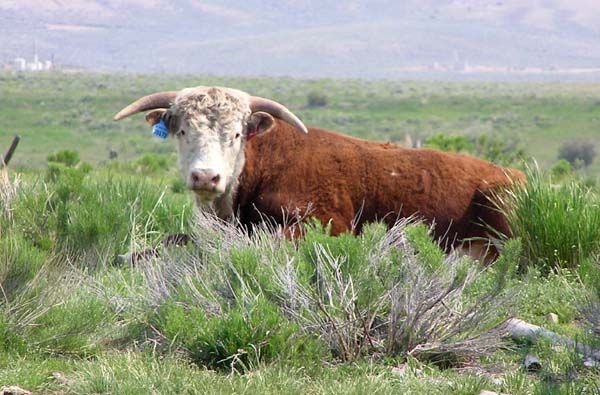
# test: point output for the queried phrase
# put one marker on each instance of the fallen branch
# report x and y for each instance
(520, 330)
(133, 258)
(11, 150)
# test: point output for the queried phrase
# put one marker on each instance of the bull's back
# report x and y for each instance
(344, 175)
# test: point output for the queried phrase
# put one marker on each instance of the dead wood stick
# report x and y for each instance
(11, 150)
(521, 330)
(177, 239)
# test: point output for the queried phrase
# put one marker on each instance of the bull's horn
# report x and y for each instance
(277, 110)
(150, 102)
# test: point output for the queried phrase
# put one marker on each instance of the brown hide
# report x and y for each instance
(340, 176)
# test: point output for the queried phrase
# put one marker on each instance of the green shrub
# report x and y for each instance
(81, 214)
(430, 254)
(239, 338)
(68, 158)
(19, 263)
(66, 163)
(578, 153)
(559, 225)
(85, 168)
(178, 185)
(499, 150)
(344, 247)
(249, 299)
(316, 99)
(447, 142)
(152, 163)
(10, 340)
(395, 278)
(561, 169)
(70, 327)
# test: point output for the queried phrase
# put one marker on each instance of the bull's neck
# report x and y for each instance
(257, 157)
(223, 205)
(262, 156)
(226, 205)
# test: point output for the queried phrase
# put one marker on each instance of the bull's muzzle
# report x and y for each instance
(205, 180)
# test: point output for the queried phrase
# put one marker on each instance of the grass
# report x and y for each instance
(558, 224)
(383, 312)
(58, 111)
(386, 311)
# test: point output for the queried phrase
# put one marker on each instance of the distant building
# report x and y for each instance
(21, 64)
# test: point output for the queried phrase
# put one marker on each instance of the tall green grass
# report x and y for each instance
(81, 216)
(558, 224)
(97, 214)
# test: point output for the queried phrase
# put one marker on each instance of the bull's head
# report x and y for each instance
(212, 126)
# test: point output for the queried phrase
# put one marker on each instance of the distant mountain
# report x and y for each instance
(309, 38)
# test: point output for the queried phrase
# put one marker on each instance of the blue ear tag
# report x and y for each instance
(160, 130)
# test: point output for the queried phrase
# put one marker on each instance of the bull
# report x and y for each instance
(251, 158)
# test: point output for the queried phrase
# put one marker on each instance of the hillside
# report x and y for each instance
(356, 39)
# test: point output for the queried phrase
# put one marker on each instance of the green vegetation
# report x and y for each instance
(559, 225)
(383, 312)
(55, 112)
(578, 153)
(316, 99)
(493, 148)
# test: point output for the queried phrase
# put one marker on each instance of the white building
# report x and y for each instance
(21, 64)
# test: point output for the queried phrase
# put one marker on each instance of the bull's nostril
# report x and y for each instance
(204, 179)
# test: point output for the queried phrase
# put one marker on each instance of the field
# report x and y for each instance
(57, 111)
(383, 312)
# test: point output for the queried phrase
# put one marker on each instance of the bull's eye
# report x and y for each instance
(182, 132)
(237, 135)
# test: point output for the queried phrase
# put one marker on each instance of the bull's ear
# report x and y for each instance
(153, 117)
(259, 123)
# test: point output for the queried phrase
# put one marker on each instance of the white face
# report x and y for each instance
(211, 154)
(210, 141)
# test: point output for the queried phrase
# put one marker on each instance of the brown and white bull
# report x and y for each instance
(251, 157)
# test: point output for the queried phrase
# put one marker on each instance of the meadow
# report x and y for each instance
(74, 111)
(383, 312)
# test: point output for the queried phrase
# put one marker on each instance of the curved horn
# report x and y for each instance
(150, 102)
(277, 110)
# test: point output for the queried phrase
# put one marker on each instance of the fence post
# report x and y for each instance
(11, 150)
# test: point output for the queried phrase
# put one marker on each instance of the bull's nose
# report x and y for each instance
(204, 179)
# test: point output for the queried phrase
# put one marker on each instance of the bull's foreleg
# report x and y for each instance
(488, 227)
(482, 250)
(132, 258)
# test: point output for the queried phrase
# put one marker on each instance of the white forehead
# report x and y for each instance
(211, 105)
